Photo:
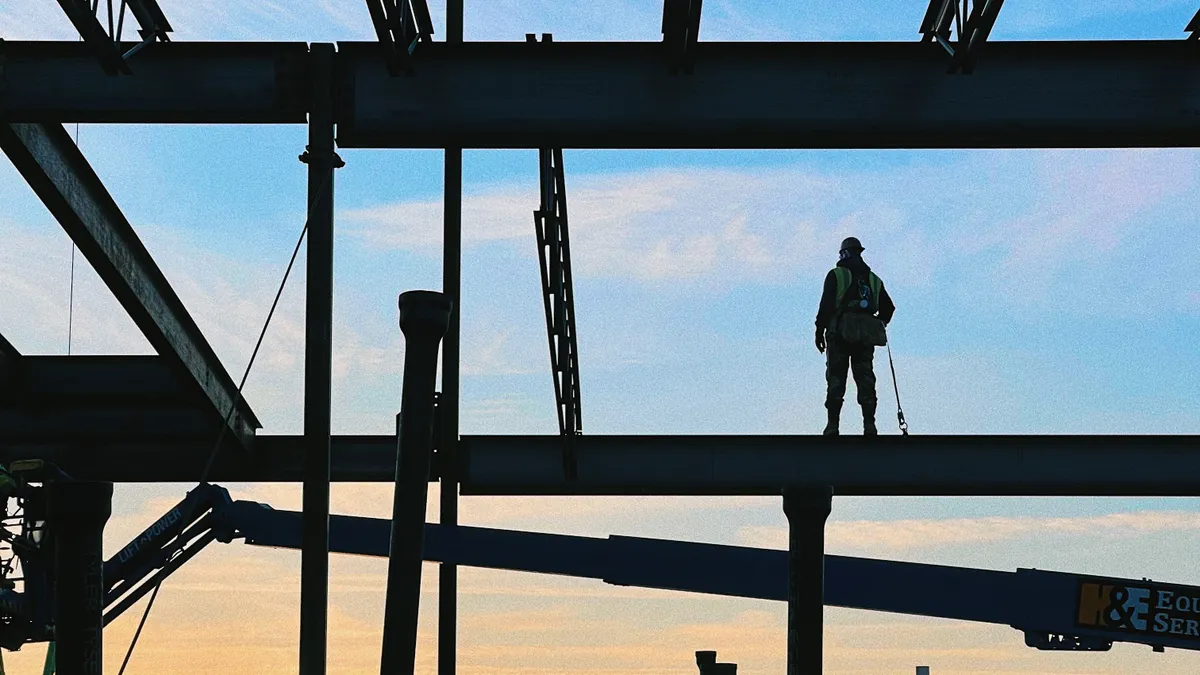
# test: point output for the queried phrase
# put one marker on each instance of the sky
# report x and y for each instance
(1039, 292)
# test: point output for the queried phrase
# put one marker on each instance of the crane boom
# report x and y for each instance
(1054, 610)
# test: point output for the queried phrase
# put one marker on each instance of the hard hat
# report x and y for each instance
(851, 244)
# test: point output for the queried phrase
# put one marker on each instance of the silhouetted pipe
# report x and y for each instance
(424, 317)
(806, 510)
(77, 512)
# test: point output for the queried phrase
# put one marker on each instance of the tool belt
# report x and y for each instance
(860, 329)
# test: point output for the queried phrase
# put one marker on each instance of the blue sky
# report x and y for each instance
(1044, 292)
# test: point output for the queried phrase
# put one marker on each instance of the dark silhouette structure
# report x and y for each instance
(153, 418)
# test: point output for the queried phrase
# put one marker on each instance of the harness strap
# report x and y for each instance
(844, 278)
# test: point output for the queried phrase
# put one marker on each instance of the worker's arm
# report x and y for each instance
(826, 308)
(886, 307)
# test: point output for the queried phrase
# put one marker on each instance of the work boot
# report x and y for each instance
(831, 429)
(869, 420)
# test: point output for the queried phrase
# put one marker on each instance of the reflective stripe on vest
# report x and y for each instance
(844, 277)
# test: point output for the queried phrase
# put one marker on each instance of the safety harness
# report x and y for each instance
(845, 278)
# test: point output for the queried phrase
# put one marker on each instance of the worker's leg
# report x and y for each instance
(862, 362)
(837, 363)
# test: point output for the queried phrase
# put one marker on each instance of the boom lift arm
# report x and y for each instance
(1055, 611)
(26, 615)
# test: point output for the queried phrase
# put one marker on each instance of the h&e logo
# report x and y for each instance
(1110, 606)
(1139, 609)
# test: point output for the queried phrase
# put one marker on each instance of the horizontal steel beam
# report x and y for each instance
(60, 175)
(276, 459)
(177, 82)
(108, 424)
(775, 95)
(621, 95)
(55, 380)
(883, 465)
(698, 465)
(100, 400)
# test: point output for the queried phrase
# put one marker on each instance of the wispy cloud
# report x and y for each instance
(566, 515)
(35, 265)
(910, 535)
(653, 225)
(228, 297)
(1013, 225)
(491, 354)
(33, 20)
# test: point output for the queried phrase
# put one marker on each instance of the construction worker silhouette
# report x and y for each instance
(851, 320)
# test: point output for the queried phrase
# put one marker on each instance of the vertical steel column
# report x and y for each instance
(318, 361)
(424, 318)
(452, 287)
(806, 510)
(77, 512)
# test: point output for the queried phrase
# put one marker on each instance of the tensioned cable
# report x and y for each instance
(237, 399)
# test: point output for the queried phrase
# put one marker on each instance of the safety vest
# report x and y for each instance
(844, 279)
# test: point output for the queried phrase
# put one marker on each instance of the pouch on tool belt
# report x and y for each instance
(859, 328)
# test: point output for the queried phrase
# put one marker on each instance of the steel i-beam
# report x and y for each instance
(48, 159)
(1059, 466)
(1102, 94)
(777, 95)
(176, 83)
